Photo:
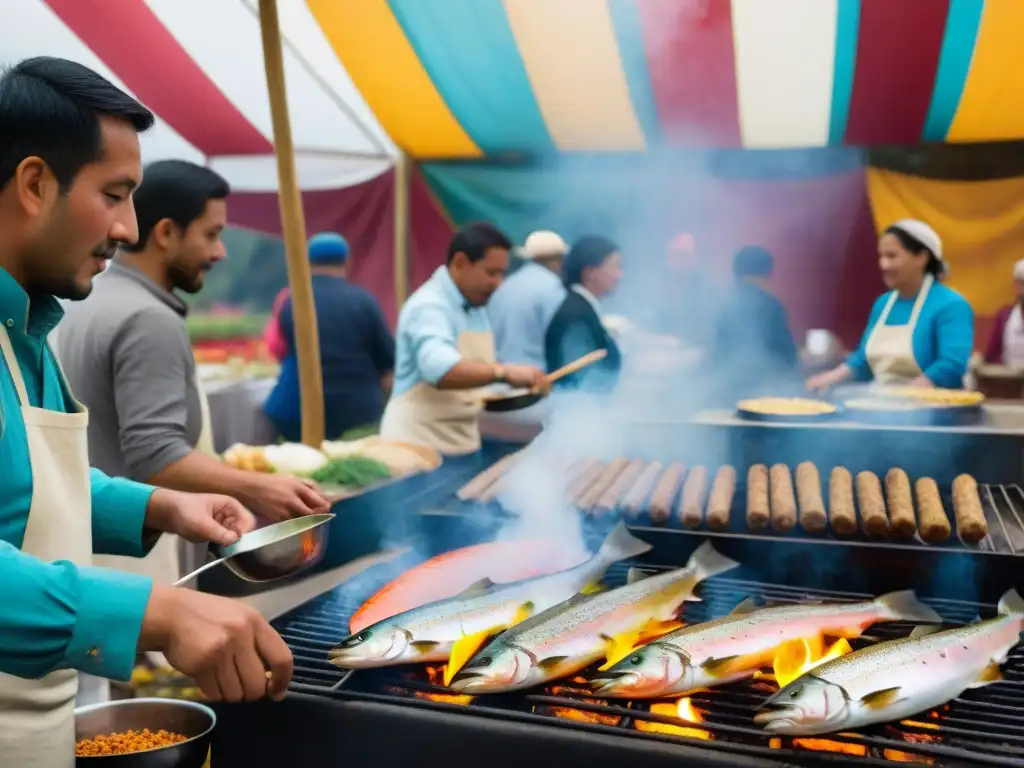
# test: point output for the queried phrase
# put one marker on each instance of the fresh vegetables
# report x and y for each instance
(288, 459)
(354, 470)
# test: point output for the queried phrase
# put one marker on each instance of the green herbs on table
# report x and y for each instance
(357, 471)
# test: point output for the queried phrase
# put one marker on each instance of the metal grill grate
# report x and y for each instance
(983, 727)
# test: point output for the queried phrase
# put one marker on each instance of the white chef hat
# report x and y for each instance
(544, 243)
(925, 235)
(1018, 270)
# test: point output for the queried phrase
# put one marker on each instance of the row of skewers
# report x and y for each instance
(525, 633)
(777, 499)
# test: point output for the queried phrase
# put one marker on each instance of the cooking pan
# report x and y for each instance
(524, 398)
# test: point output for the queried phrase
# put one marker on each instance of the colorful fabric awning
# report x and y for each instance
(467, 78)
(198, 64)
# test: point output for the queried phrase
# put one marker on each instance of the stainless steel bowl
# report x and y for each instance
(193, 721)
(279, 550)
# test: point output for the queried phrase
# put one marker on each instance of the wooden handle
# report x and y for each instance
(575, 365)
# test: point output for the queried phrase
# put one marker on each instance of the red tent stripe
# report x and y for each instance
(898, 52)
(690, 58)
(130, 39)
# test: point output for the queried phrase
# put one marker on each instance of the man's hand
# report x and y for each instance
(527, 377)
(280, 497)
(198, 517)
(227, 647)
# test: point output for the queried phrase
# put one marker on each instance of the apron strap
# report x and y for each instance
(922, 295)
(14, 367)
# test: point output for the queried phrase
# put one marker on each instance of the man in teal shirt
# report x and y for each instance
(69, 162)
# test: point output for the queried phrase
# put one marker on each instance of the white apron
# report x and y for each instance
(890, 348)
(37, 717)
(1013, 339)
(445, 419)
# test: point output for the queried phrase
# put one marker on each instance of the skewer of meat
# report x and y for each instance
(783, 500)
(665, 492)
(603, 483)
(808, 496)
(720, 500)
(970, 517)
(757, 497)
(691, 503)
(479, 484)
(932, 520)
(637, 495)
(841, 510)
(874, 521)
(901, 504)
(584, 481)
(610, 498)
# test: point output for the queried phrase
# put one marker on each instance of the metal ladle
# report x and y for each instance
(273, 552)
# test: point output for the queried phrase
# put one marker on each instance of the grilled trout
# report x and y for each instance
(896, 679)
(454, 628)
(572, 636)
(734, 647)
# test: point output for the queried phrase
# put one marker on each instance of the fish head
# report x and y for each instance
(652, 670)
(494, 668)
(807, 705)
(383, 643)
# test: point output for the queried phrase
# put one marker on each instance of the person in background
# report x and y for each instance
(919, 333)
(273, 340)
(523, 306)
(753, 347)
(445, 348)
(357, 351)
(127, 355)
(690, 297)
(1006, 344)
(69, 163)
(593, 270)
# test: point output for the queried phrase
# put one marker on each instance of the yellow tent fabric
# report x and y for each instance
(981, 224)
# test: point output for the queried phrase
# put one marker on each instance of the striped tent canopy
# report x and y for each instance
(198, 64)
(471, 78)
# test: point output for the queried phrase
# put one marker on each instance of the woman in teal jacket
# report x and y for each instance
(920, 332)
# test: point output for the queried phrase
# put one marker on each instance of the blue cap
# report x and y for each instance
(328, 248)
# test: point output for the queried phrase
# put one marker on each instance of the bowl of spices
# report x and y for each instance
(144, 733)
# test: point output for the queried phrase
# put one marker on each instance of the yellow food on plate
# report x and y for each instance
(936, 396)
(786, 406)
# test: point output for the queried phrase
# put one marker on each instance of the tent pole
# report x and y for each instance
(307, 343)
(403, 180)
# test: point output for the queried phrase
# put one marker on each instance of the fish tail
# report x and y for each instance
(905, 606)
(707, 561)
(1011, 604)
(620, 544)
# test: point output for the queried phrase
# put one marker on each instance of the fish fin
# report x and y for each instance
(524, 612)
(880, 699)
(719, 667)
(924, 630)
(477, 587)
(592, 589)
(692, 598)
(905, 606)
(747, 606)
(656, 629)
(424, 645)
(634, 575)
(990, 674)
(707, 561)
(551, 662)
(1011, 603)
(619, 647)
(620, 544)
(463, 650)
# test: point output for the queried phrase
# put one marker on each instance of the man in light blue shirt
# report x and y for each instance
(522, 308)
(68, 166)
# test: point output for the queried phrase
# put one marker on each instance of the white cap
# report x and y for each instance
(1018, 270)
(924, 234)
(543, 244)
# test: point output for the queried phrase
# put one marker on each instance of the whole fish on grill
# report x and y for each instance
(896, 679)
(735, 646)
(569, 637)
(454, 628)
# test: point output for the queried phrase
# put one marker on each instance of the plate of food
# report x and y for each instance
(786, 409)
(935, 397)
(912, 406)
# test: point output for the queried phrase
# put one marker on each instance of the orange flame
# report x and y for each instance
(682, 709)
(797, 657)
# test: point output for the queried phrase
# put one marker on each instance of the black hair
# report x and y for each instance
(177, 190)
(753, 261)
(51, 108)
(588, 251)
(475, 239)
(934, 267)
